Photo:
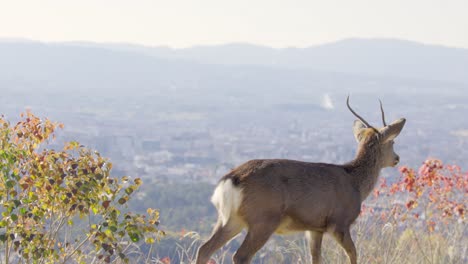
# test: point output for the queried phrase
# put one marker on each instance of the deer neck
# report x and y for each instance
(364, 169)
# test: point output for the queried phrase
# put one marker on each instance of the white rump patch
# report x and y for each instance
(227, 199)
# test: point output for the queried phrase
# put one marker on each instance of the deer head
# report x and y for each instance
(378, 141)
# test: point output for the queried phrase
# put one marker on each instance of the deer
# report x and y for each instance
(281, 196)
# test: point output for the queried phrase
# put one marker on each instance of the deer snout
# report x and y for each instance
(397, 159)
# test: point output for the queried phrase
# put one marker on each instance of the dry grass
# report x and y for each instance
(376, 242)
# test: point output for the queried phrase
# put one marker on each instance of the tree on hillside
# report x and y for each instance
(62, 206)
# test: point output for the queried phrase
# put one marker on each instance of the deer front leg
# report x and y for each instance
(343, 237)
(315, 244)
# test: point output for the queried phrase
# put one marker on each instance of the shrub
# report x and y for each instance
(62, 206)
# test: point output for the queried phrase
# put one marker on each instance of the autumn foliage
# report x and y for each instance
(435, 194)
(62, 206)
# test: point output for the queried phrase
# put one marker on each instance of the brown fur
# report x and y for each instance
(285, 196)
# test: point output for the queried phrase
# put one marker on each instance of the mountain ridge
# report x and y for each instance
(377, 57)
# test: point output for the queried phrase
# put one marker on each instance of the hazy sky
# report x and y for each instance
(181, 23)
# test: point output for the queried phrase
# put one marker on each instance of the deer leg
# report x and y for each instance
(343, 237)
(315, 243)
(221, 235)
(256, 237)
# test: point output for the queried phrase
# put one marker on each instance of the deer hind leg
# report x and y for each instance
(315, 244)
(221, 235)
(256, 237)
(343, 237)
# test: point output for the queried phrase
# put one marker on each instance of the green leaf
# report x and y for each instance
(129, 190)
(10, 183)
(94, 209)
(134, 237)
(108, 232)
(14, 217)
(23, 211)
(149, 240)
(122, 200)
(17, 203)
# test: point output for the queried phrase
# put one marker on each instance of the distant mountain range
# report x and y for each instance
(387, 57)
(380, 57)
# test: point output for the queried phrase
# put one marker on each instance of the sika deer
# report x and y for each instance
(282, 196)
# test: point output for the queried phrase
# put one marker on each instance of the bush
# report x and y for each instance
(62, 205)
(435, 194)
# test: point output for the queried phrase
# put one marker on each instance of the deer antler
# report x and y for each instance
(358, 116)
(383, 114)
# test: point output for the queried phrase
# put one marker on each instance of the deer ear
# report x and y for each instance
(391, 131)
(358, 127)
